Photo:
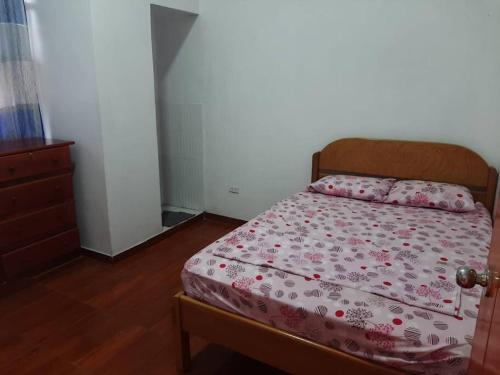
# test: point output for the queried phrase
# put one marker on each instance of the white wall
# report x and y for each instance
(285, 77)
(279, 80)
(124, 71)
(178, 104)
(190, 6)
(95, 74)
(61, 36)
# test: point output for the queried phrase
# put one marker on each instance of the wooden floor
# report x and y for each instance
(93, 317)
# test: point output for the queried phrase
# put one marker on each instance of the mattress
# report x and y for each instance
(251, 272)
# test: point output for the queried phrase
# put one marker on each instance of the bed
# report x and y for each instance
(302, 322)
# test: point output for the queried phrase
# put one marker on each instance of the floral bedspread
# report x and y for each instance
(400, 257)
(319, 295)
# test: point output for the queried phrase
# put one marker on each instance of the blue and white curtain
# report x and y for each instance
(19, 111)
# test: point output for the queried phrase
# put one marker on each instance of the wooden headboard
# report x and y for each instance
(410, 161)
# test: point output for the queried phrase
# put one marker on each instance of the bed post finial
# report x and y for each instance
(315, 167)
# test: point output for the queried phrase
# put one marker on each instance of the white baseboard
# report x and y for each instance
(164, 229)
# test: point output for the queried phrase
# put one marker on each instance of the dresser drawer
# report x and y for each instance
(35, 226)
(36, 195)
(34, 163)
(40, 254)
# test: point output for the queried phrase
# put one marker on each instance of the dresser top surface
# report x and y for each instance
(29, 145)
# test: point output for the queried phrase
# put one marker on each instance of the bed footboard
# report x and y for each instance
(181, 337)
(260, 341)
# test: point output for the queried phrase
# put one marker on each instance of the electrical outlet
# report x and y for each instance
(234, 189)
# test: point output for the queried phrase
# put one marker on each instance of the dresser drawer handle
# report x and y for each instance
(14, 200)
(12, 170)
(57, 188)
(55, 161)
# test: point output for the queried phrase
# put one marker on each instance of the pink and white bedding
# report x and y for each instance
(357, 187)
(353, 275)
(448, 197)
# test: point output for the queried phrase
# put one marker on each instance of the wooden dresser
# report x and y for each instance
(37, 213)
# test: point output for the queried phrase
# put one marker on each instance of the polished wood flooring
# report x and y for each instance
(93, 317)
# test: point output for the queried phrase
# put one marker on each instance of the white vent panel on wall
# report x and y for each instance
(182, 155)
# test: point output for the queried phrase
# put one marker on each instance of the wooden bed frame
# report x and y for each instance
(383, 158)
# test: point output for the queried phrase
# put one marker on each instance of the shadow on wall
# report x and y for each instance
(173, 27)
(180, 138)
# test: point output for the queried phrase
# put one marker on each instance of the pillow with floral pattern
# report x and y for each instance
(448, 197)
(357, 187)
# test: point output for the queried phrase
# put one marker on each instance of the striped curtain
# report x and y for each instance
(19, 111)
